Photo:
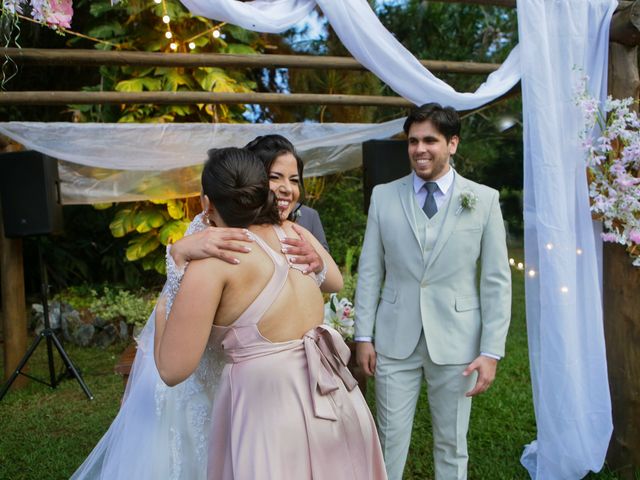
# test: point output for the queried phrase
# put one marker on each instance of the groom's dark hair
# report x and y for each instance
(237, 184)
(445, 119)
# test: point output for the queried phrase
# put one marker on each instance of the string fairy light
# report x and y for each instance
(190, 42)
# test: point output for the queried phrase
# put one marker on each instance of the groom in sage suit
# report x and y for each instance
(433, 298)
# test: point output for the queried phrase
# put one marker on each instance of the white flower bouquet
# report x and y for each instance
(339, 313)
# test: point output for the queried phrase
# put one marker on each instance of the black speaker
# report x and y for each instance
(382, 162)
(30, 191)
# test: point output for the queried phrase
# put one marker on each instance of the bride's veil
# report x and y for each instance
(159, 432)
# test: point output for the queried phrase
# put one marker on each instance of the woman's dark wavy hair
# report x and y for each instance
(236, 182)
(269, 147)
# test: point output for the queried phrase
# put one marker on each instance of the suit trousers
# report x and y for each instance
(398, 384)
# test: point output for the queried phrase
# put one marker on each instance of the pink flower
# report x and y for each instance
(609, 237)
(634, 236)
(60, 13)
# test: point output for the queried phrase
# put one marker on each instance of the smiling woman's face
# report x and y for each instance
(284, 181)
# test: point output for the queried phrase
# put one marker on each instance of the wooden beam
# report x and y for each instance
(184, 60)
(187, 98)
(14, 313)
(625, 24)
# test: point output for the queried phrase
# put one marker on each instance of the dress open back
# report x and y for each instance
(288, 410)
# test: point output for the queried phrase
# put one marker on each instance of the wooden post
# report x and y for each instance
(621, 279)
(14, 315)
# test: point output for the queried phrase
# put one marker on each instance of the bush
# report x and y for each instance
(111, 303)
(342, 214)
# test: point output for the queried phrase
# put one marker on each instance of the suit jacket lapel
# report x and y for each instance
(450, 219)
(407, 196)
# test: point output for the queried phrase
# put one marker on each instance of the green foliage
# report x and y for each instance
(342, 215)
(111, 303)
(136, 25)
(148, 225)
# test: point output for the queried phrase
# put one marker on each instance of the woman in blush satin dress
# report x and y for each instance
(286, 405)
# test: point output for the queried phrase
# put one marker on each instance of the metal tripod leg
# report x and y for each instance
(23, 362)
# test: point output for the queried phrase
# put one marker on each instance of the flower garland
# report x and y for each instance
(53, 13)
(613, 167)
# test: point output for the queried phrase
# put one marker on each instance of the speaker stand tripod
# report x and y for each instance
(52, 340)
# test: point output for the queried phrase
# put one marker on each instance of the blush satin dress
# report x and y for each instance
(288, 410)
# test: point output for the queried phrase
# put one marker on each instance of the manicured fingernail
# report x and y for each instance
(285, 250)
(236, 261)
(247, 249)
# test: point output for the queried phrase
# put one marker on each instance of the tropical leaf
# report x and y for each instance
(139, 84)
(161, 265)
(213, 79)
(148, 219)
(98, 9)
(173, 231)
(242, 35)
(141, 246)
(173, 79)
(107, 30)
(175, 208)
(239, 49)
(122, 223)
(102, 206)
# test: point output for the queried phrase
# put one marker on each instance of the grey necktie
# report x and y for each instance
(430, 208)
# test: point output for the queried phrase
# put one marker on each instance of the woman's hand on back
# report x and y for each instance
(307, 249)
(214, 242)
(303, 252)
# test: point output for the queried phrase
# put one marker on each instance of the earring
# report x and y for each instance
(205, 218)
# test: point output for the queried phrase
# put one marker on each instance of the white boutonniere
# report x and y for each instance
(468, 200)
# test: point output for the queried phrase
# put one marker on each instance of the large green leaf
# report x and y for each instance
(148, 219)
(173, 79)
(214, 79)
(98, 9)
(139, 84)
(240, 34)
(239, 49)
(122, 223)
(173, 231)
(102, 206)
(175, 209)
(141, 246)
(107, 30)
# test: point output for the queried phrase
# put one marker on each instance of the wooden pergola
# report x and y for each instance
(621, 281)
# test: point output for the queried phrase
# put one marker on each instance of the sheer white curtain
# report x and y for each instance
(564, 312)
(118, 162)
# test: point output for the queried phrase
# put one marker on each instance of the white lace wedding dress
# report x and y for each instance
(159, 432)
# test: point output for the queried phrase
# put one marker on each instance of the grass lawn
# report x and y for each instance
(46, 434)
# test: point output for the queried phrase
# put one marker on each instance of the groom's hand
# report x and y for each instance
(486, 367)
(366, 357)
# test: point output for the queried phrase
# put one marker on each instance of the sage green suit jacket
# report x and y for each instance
(460, 296)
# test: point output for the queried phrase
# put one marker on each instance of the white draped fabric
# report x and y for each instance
(360, 30)
(564, 309)
(128, 162)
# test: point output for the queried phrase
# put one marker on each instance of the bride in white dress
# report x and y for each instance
(162, 432)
